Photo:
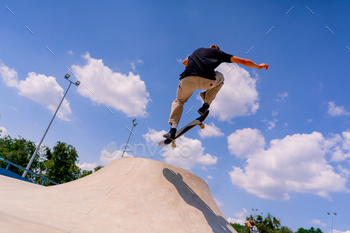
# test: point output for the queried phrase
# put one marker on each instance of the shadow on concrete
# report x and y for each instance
(217, 223)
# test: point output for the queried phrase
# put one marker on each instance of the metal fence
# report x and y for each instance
(13, 164)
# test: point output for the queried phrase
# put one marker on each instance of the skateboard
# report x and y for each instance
(184, 129)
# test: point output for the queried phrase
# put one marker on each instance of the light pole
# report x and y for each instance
(332, 219)
(37, 148)
(133, 125)
(254, 212)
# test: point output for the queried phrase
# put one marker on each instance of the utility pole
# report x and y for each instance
(254, 212)
(332, 219)
(47, 129)
(133, 125)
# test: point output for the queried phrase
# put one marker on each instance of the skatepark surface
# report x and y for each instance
(128, 195)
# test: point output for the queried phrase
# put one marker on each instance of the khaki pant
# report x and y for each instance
(186, 88)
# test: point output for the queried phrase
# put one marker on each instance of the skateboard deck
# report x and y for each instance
(185, 129)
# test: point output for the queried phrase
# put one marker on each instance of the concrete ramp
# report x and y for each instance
(128, 195)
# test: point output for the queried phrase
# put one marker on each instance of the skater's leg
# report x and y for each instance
(184, 91)
(209, 95)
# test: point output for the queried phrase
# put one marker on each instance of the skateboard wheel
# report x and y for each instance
(202, 126)
(173, 145)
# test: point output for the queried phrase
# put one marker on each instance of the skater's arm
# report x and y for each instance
(185, 62)
(248, 63)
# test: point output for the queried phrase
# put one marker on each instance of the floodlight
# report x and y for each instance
(38, 146)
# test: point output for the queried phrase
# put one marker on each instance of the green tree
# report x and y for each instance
(302, 230)
(284, 229)
(58, 165)
(269, 224)
(61, 163)
(19, 151)
(98, 168)
(85, 173)
(311, 230)
(238, 227)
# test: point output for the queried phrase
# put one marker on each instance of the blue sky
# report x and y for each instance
(276, 140)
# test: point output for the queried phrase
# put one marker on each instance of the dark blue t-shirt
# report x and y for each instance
(203, 62)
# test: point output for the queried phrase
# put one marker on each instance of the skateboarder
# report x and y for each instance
(200, 74)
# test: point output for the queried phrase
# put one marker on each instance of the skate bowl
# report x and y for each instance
(129, 195)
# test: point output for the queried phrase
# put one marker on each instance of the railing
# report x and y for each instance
(13, 164)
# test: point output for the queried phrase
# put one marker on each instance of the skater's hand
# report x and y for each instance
(185, 62)
(263, 65)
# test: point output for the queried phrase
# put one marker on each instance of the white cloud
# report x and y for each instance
(210, 131)
(337, 231)
(272, 124)
(281, 97)
(318, 222)
(9, 76)
(87, 166)
(133, 64)
(107, 157)
(126, 93)
(153, 136)
(345, 172)
(187, 154)
(293, 164)
(245, 142)
(206, 159)
(3, 132)
(274, 113)
(235, 220)
(242, 214)
(46, 91)
(336, 110)
(39, 88)
(70, 52)
(111, 153)
(241, 217)
(238, 96)
(339, 147)
(210, 177)
(219, 203)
